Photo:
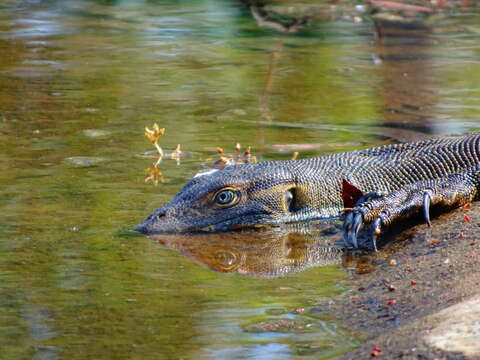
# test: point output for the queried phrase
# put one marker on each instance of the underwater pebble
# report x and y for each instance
(83, 161)
(224, 117)
(239, 112)
(276, 311)
(94, 133)
(278, 325)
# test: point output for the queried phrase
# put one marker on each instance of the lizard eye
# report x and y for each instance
(226, 197)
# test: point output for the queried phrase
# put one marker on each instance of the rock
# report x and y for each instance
(458, 329)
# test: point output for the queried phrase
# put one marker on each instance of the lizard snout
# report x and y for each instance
(148, 225)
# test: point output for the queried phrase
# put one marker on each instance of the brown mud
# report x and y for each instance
(397, 307)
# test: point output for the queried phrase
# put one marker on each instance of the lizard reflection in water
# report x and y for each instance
(268, 253)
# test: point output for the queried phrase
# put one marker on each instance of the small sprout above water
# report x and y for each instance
(237, 159)
(154, 174)
(154, 135)
(177, 154)
(220, 151)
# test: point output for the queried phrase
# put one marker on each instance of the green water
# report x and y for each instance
(74, 282)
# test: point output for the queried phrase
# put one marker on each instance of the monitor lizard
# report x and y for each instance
(376, 187)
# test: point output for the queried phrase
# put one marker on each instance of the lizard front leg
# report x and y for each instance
(446, 193)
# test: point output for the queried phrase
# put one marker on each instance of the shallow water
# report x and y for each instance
(79, 81)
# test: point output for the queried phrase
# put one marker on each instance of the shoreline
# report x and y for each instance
(398, 308)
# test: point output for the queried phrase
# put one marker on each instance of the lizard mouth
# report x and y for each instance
(162, 224)
(245, 221)
(215, 227)
(141, 228)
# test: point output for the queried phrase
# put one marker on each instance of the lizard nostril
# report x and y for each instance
(158, 215)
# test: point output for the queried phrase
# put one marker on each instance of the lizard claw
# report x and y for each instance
(427, 200)
(376, 231)
(448, 192)
(347, 229)
(353, 224)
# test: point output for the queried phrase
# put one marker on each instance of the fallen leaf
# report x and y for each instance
(376, 351)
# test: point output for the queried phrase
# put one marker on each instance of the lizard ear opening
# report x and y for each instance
(290, 200)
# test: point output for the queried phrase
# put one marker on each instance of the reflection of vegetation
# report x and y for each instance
(270, 19)
(153, 173)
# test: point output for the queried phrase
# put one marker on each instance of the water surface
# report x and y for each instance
(79, 81)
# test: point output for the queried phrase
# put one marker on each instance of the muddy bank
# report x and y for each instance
(397, 307)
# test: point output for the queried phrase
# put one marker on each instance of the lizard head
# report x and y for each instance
(236, 197)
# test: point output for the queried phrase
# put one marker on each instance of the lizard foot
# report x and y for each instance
(448, 192)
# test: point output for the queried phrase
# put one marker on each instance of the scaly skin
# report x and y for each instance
(274, 192)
